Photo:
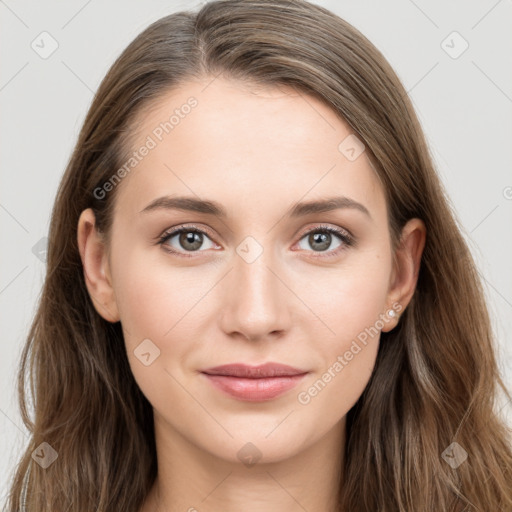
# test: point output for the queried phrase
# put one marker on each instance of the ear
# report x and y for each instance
(406, 269)
(96, 266)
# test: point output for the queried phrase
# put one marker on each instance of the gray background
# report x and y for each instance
(464, 103)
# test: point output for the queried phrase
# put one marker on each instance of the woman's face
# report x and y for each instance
(260, 283)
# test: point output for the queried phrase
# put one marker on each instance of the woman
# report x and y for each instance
(257, 296)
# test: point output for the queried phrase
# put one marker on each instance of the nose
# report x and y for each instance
(255, 300)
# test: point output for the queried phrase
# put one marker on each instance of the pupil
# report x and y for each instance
(322, 238)
(193, 238)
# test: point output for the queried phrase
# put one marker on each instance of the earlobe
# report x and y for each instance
(96, 267)
(406, 269)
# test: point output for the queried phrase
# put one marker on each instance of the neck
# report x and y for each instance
(190, 479)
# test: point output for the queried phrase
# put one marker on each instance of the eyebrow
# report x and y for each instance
(193, 204)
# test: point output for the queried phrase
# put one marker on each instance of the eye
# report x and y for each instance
(320, 239)
(189, 239)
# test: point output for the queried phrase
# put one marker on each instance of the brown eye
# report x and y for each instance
(185, 240)
(326, 239)
(190, 240)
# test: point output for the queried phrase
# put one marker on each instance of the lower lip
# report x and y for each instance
(254, 390)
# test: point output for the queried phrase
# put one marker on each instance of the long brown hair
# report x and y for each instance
(436, 378)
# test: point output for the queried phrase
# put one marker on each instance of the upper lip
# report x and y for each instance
(254, 372)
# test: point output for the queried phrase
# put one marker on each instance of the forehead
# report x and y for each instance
(239, 143)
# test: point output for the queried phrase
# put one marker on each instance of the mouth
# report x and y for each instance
(254, 383)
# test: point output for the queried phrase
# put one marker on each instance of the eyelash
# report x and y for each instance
(346, 239)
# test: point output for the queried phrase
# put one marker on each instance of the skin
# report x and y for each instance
(257, 152)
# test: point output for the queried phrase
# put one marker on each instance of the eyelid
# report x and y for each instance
(327, 227)
(184, 227)
(169, 233)
(346, 238)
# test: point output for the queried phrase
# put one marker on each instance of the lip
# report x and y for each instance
(252, 372)
(254, 383)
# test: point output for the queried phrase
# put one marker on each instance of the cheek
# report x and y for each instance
(164, 304)
(156, 303)
(348, 354)
(158, 300)
(351, 304)
(331, 393)
(161, 303)
(349, 299)
(153, 297)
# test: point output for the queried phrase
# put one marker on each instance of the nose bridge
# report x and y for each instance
(256, 305)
